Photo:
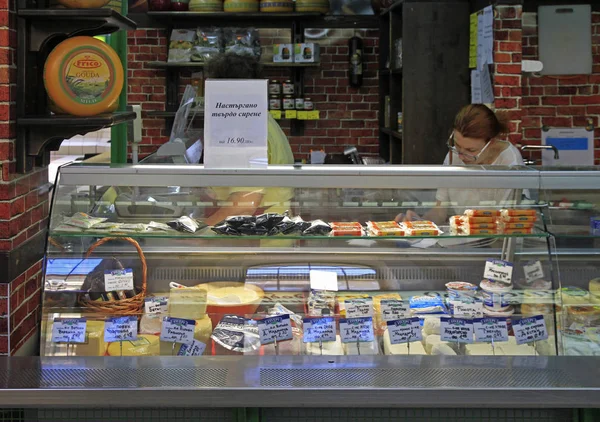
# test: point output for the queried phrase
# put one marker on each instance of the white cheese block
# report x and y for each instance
(442, 349)
(481, 349)
(366, 348)
(431, 325)
(416, 348)
(151, 324)
(330, 348)
(517, 350)
(434, 339)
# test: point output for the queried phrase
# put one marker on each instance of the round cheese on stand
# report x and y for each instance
(83, 76)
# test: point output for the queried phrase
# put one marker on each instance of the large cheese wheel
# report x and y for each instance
(83, 76)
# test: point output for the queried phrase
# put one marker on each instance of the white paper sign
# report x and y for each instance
(177, 330)
(394, 309)
(121, 329)
(533, 271)
(68, 330)
(488, 329)
(195, 348)
(404, 330)
(488, 34)
(319, 329)
(575, 146)
(115, 280)
(235, 123)
(156, 305)
(498, 270)
(323, 280)
(356, 308)
(456, 330)
(464, 309)
(528, 330)
(275, 328)
(476, 96)
(487, 90)
(356, 329)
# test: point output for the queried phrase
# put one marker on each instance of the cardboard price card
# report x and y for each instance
(177, 330)
(533, 271)
(456, 330)
(528, 330)
(115, 280)
(275, 328)
(463, 309)
(319, 329)
(404, 330)
(490, 329)
(121, 329)
(393, 309)
(155, 305)
(323, 280)
(195, 348)
(354, 330)
(498, 270)
(69, 330)
(356, 308)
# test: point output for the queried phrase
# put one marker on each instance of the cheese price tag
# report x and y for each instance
(118, 280)
(498, 270)
(319, 329)
(155, 305)
(490, 329)
(393, 309)
(356, 308)
(195, 348)
(290, 114)
(456, 330)
(177, 330)
(464, 309)
(120, 329)
(404, 330)
(533, 271)
(356, 329)
(68, 330)
(313, 115)
(323, 280)
(302, 115)
(528, 330)
(275, 328)
(276, 114)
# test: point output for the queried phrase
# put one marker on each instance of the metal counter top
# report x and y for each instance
(302, 381)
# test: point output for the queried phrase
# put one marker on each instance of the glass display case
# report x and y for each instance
(303, 261)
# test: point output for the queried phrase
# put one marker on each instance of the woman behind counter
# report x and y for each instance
(473, 141)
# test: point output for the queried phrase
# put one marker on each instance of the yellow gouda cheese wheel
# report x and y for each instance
(83, 76)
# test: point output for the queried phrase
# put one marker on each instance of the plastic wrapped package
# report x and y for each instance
(482, 213)
(186, 224)
(321, 302)
(427, 305)
(180, 45)
(236, 334)
(519, 219)
(346, 229)
(242, 41)
(384, 228)
(83, 220)
(506, 214)
(317, 228)
(207, 44)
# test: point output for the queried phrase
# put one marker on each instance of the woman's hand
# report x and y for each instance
(409, 216)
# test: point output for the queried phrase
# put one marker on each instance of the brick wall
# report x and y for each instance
(560, 101)
(23, 207)
(348, 115)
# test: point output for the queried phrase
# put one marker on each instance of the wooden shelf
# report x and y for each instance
(392, 133)
(260, 20)
(164, 65)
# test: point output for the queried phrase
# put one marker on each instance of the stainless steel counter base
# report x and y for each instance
(302, 381)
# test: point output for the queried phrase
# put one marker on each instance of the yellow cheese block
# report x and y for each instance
(145, 345)
(83, 76)
(94, 345)
(202, 333)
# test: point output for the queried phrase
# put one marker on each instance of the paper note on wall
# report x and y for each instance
(487, 90)
(480, 51)
(488, 34)
(473, 41)
(476, 97)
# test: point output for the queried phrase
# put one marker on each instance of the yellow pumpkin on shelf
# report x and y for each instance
(84, 4)
(276, 6)
(241, 6)
(306, 6)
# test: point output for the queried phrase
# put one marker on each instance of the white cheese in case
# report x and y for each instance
(416, 348)
(442, 349)
(435, 339)
(330, 348)
(366, 348)
(501, 348)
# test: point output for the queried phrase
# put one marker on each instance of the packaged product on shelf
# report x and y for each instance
(68, 228)
(507, 214)
(416, 347)
(180, 45)
(186, 224)
(427, 305)
(288, 103)
(574, 296)
(83, 220)
(282, 53)
(517, 231)
(346, 229)
(361, 348)
(321, 302)
(519, 219)
(299, 103)
(145, 345)
(161, 227)
(317, 228)
(287, 87)
(237, 334)
(420, 228)
(326, 348)
(128, 228)
(461, 288)
(308, 104)
(274, 87)
(307, 53)
(275, 102)
(482, 213)
(207, 44)
(242, 41)
(384, 228)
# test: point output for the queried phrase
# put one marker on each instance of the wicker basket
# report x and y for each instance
(130, 306)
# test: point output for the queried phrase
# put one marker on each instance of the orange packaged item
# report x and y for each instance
(346, 231)
(517, 213)
(471, 231)
(424, 231)
(384, 228)
(520, 219)
(518, 231)
(482, 213)
(527, 225)
(419, 224)
(345, 224)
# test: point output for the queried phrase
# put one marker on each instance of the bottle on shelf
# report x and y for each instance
(355, 51)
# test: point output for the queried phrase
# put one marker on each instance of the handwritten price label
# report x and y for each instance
(498, 270)
(319, 329)
(120, 329)
(155, 305)
(392, 310)
(195, 348)
(68, 330)
(490, 329)
(356, 329)
(456, 330)
(115, 280)
(467, 309)
(177, 330)
(356, 308)
(528, 330)
(404, 330)
(275, 328)
(533, 271)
